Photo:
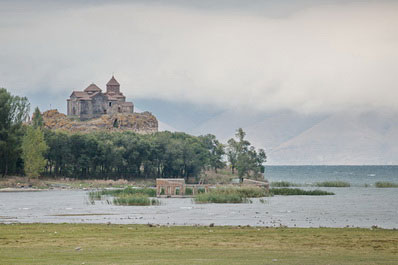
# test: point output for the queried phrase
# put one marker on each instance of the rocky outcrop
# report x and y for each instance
(136, 122)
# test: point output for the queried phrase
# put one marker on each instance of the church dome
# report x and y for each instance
(113, 82)
(92, 88)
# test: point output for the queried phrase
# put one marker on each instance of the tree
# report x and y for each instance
(33, 149)
(216, 151)
(37, 119)
(244, 157)
(13, 111)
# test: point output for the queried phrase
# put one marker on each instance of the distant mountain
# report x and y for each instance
(349, 138)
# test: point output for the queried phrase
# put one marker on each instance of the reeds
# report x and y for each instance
(135, 200)
(386, 184)
(127, 196)
(231, 195)
(337, 184)
(283, 184)
(289, 191)
(127, 191)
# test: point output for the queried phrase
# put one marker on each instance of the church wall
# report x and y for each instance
(98, 105)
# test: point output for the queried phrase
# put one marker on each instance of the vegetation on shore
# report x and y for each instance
(386, 184)
(143, 244)
(289, 191)
(113, 155)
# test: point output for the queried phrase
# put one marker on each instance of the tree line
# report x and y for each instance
(31, 150)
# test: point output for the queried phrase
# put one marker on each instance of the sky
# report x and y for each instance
(205, 56)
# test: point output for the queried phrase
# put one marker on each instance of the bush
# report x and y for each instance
(386, 184)
(338, 184)
(288, 191)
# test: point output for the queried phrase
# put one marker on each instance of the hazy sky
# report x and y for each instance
(260, 55)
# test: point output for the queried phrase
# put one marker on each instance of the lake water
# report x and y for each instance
(356, 206)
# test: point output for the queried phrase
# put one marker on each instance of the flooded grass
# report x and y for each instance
(143, 244)
(284, 184)
(215, 197)
(386, 184)
(289, 191)
(135, 200)
(336, 184)
(151, 192)
(231, 195)
(128, 196)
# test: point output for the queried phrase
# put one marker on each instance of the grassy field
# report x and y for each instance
(142, 244)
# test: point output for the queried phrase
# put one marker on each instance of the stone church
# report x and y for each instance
(92, 103)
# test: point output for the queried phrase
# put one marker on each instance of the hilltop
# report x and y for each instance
(137, 122)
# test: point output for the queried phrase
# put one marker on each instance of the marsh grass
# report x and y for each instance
(216, 197)
(123, 192)
(289, 191)
(231, 195)
(386, 184)
(284, 184)
(128, 196)
(135, 200)
(337, 184)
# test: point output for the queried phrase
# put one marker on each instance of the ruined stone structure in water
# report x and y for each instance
(92, 103)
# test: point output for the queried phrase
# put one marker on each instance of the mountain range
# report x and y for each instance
(290, 138)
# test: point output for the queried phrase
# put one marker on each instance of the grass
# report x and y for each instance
(217, 197)
(135, 200)
(128, 196)
(283, 184)
(288, 191)
(337, 184)
(142, 244)
(386, 184)
(231, 195)
(123, 192)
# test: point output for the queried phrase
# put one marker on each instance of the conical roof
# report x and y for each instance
(93, 88)
(113, 82)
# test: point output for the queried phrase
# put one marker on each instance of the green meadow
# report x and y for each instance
(147, 244)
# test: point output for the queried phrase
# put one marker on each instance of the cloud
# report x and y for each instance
(319, 59)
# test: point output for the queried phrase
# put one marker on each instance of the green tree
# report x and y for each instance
(33, 149)
(244, 157)
(216, 151)
(14, 111)
(37, 119)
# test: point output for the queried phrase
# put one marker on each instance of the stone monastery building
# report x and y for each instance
(92, 103)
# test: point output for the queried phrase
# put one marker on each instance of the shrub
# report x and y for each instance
(288, 191)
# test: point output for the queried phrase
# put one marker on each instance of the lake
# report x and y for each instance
(356, 206)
